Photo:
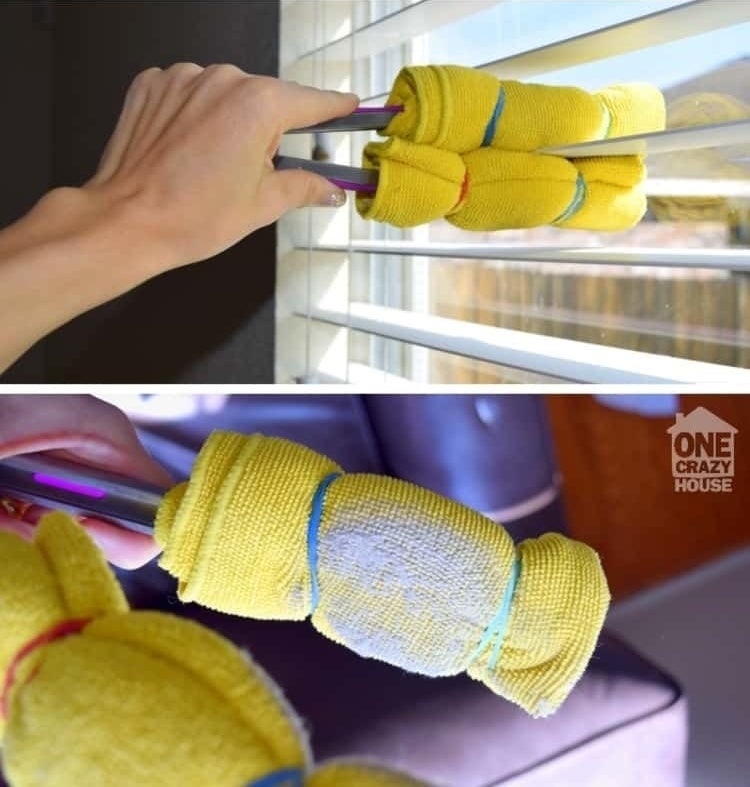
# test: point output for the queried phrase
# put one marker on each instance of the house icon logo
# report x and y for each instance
(702, 452)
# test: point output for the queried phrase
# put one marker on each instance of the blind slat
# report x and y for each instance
(714, 135)
(641, 32)
(659, 257)
(397, 28)
(566, 359)
(697, 187)
(660, 27)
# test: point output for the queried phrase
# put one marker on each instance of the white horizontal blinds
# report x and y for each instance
(713, 135)
(395, 27)
(378, 297)
(654, 29)
(303, 279)
(677, 20)
(650, 257)
(561, 358)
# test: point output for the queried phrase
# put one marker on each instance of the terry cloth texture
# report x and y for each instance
(133, 697)
(490, 189)
(416, 183)
(464, 149)
(344, 773)
(516, 190)
(453, 107)
(402, 574)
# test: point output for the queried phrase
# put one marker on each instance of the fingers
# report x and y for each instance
(296, 188)
(302, 106)
(169, 91)
(90, 432)
(80, 428)
(133, 109)
(156, 98)
(123, 548)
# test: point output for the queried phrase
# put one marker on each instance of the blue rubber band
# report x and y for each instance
(499, 624)
(289, 777)
(312, 535)
(489, 133)
(578, 199)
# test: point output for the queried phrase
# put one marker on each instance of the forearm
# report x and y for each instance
(73, 251)
(187, 173)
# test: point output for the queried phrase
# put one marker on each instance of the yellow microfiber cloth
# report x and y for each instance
(461, 109)
(612, 201)
(516, 190)
(267, 528)
(416, 183)
(490, 189)
(94, 694)
(497, 127)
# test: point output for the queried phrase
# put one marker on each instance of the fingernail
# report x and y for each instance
(336, 199)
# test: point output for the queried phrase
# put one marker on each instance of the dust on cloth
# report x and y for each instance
(390, 570)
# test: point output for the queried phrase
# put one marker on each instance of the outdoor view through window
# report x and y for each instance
(676, 285)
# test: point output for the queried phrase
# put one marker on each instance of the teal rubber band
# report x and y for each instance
(499, 624)
(313, 524)
(608, 116)
(578, 199)
(489, 132)
(289, 777)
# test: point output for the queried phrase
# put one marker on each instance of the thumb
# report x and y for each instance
(297, 188)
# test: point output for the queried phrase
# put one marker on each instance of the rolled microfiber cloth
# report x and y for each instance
(490, 189)
(496, 126)
(266, 528)
(509, 190)
(416, 183)
(612, 200)
(94, 694)
(461, 109)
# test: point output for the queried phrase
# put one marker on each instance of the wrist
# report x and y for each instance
(75, 250)
(101, 229)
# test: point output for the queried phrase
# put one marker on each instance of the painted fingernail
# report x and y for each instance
(336, 199)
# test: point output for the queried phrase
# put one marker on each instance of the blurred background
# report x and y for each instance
(664, 701)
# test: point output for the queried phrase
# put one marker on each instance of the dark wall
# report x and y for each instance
(211, 322)
(25, 125)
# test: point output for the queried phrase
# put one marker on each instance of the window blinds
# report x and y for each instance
(668, 302)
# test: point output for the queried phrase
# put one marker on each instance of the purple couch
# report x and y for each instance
(624, 724)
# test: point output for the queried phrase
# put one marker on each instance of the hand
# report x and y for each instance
(187, 173)
(192, 154)
(90, 432)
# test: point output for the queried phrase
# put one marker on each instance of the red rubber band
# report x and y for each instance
(58, 631)
(462, 195)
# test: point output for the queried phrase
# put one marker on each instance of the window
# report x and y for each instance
(668, 301)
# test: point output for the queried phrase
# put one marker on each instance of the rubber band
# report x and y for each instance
(489, 133)
(289, 777)
(609, 118)
(499, 624)
(578, 199)
(313, 524)
(462, 195)
(58, 631)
